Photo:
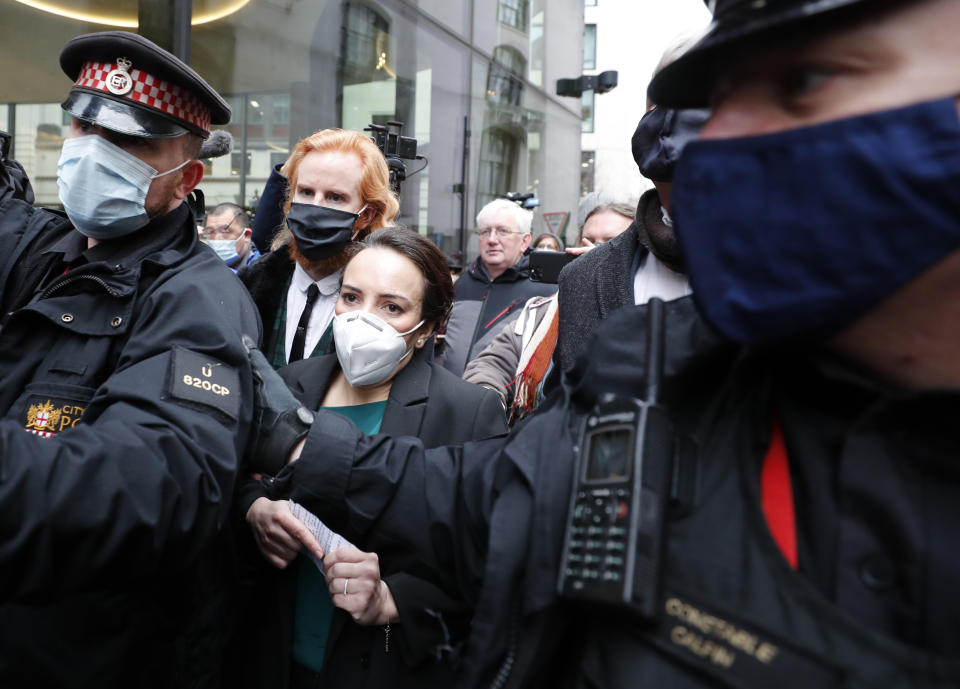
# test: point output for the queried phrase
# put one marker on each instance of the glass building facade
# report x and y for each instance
(472, 80)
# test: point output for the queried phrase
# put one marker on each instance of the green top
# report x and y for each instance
(314, 608)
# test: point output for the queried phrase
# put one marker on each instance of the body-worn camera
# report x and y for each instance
(614, 538)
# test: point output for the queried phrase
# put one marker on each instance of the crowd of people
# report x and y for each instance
(758, 350)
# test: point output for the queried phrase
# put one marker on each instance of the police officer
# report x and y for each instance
(812, 537)
(125, 391)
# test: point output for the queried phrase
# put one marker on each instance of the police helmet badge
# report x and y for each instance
(119, 81)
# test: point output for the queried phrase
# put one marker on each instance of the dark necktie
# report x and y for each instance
(300, 337)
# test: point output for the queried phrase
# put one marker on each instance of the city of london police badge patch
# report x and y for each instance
(46, 419)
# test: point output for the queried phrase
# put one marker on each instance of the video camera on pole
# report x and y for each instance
(395, 148)
(527, 201)
(14, 182)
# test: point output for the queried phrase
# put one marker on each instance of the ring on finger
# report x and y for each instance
(345, 582)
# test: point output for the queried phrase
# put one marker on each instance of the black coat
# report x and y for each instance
(267, 280)
(875, 485)
(425, 401)
(487, 517)
(483, 307)
(593, 287)
(125, 402)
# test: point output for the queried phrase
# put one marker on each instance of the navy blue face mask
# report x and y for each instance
(799, 233)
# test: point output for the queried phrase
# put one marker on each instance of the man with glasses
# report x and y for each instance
(228, 233)
(495, 288)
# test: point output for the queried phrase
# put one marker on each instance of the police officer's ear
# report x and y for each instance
(192, 174)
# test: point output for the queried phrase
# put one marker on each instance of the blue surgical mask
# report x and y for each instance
(797, 234)
(226, 249)
(103, 188)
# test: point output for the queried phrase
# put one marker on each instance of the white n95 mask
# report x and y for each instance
(103, 188)
(368, 349)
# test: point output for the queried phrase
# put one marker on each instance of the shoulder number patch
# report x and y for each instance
(201, 379)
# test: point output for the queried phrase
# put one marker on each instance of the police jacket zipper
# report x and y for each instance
(503, 674)
(76, 278)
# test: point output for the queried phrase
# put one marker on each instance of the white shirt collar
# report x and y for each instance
(328, 286)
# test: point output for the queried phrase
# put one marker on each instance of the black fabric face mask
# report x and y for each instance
(660, 138)
(320, 232)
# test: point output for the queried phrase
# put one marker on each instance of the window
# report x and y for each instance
(513, 13)
(236, 159)
(586, 112)
(589, 3)
(590, 46)
(505, 78)
(587, 169)
(498, 151)
(368, 68)
(278, 126)
(366, 46)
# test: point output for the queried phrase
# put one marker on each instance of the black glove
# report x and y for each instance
(14, 182)
(279, 420)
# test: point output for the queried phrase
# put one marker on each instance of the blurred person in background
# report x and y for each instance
(227, 232)
(547, 242)
(602, 224)
(494, 289)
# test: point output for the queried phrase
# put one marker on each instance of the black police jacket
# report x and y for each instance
(439, 408)
(731, 612)
(125, 402)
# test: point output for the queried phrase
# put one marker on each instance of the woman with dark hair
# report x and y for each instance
(547, 242)
(372, 622)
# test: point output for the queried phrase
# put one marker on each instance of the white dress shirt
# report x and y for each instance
(322, 312)
(654, 279)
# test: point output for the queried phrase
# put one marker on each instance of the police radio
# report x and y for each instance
(614, 532)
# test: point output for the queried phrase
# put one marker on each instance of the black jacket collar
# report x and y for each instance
(406, 404)
(518, 271)
(163, 241)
